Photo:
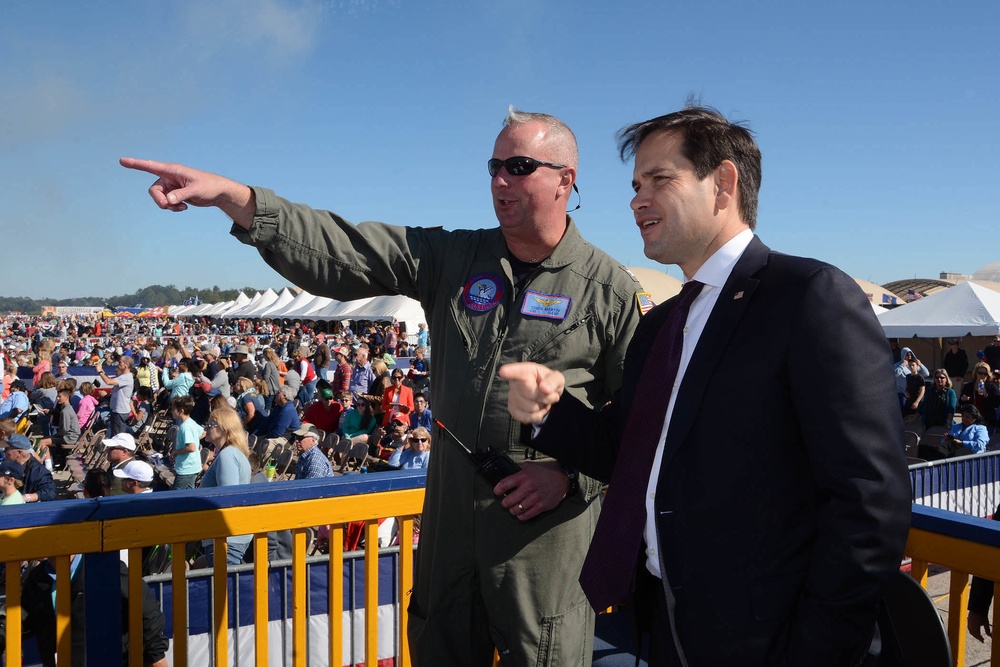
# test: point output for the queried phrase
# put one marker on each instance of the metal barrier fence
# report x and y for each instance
(100, 528)
(966, 484)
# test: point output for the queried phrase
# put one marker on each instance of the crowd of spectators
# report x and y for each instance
(221, 392)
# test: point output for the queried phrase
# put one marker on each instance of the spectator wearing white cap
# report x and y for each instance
(136, 477)
(120, 450)
(243, 367)
(311, 462)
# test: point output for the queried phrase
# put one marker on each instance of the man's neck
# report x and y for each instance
(537, 244)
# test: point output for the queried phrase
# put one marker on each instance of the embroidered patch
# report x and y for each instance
(551, 306)
(645, 300)
(483, 292)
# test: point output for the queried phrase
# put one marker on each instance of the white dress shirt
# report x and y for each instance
(713, 273)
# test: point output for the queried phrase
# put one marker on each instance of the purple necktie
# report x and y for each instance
(608, 574)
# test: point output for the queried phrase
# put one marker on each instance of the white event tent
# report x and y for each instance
(967, 309)
(285, 297)
(259, 301)
(306, 306)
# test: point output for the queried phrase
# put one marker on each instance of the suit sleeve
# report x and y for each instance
(589, 440)
(844, 402)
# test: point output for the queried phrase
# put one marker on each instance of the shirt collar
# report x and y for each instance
(716, 269)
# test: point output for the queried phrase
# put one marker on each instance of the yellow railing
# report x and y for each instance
(156, 520)
(965, 545)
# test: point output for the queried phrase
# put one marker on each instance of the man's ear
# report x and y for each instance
(566, 181)
(726, 181)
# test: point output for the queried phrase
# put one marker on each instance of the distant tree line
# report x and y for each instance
(149, 297)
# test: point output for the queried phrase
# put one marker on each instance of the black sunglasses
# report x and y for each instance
(519, 165)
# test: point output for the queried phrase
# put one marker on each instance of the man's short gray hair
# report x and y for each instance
(559, 135)
(288, 392)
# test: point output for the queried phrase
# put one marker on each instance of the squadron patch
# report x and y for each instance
(483, 292)
(551, 306)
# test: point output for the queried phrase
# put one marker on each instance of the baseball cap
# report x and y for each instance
(205, 386)
(140, 471)
(123, 440)
(308, 429)
(326, 393)
(9, 468)
(18, 441)
(342, 349)
(399, 417)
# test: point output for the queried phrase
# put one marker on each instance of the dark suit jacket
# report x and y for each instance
(783, 501)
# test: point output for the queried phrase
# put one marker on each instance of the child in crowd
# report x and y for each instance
(143, 409)
(88, 404)
(187, 444)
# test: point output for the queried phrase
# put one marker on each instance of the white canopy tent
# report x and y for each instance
(285, 297)
(401, 308)
(966, 309)
(338, 310)
(241, 301)
(302, 307)
(259, 302)
(967, 312)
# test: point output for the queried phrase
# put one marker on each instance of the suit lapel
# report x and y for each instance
(734, 298)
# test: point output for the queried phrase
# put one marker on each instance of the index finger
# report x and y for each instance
(149, 166)
(523, 371)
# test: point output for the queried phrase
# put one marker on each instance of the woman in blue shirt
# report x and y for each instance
(971, 433)
(415, 453)
(229, 468)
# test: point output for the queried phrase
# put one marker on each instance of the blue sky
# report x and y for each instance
(878, 122)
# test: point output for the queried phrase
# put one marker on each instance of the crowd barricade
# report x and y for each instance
(966, 484)
(262, 613)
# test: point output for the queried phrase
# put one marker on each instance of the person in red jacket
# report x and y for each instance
(397, 397)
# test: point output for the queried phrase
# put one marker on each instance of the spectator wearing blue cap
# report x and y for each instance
(11, 473)
(38, 483)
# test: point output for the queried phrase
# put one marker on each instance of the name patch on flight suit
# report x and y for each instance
(551, 306)
(483, 292)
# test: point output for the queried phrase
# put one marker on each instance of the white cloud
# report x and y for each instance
(41, 109)
(277, 30)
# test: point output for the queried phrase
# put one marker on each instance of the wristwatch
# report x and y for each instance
(574, 480)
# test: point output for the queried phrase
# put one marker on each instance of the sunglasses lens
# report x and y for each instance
(521, 166)
(516, 166)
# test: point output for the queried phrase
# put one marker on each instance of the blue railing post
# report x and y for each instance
(103, 604)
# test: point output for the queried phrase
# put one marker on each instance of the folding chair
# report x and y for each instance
(356, 456)
(329, 442)
(338, 455)
(283, 462)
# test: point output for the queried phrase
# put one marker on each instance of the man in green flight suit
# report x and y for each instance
(492, 570)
